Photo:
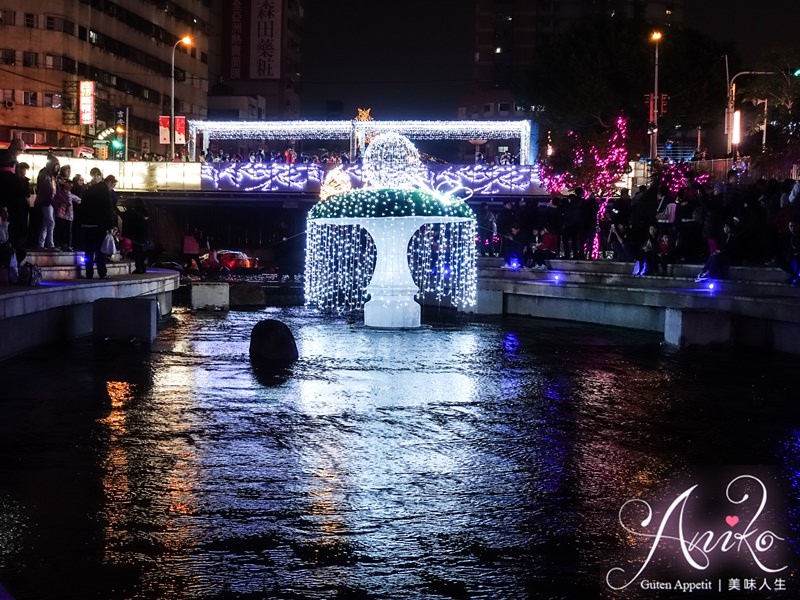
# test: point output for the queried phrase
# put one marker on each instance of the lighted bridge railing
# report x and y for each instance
(483, 180)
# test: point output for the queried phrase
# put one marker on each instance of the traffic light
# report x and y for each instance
(118, 143)
(663, 107)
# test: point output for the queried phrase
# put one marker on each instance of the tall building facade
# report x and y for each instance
(258, 72)
(509, 32)
(85, 72)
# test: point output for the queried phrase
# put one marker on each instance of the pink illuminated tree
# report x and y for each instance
(595, 165)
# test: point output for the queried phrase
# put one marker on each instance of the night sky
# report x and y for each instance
(413, 59)
(752, 26)
(408, 59)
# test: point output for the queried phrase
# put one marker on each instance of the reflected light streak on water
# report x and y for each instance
(481, 459)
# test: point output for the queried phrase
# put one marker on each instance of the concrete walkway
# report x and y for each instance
(753, 306)
(62, 308)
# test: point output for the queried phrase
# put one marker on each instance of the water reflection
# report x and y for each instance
(482, 458)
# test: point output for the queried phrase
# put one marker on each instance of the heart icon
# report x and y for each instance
(731, 520)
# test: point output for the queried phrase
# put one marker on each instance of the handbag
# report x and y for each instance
(109, 245)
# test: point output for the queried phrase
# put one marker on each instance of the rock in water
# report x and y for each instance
(272, 342)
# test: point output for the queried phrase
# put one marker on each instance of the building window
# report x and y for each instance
(30, 59)
(8, 95)
(8, 17)
(488, 109)
(30, 98)
(54, 62)
(59, 24)
(53, 100)
(29, 137)
(30, 20)
(8, 56)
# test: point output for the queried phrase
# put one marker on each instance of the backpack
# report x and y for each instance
(29, 274)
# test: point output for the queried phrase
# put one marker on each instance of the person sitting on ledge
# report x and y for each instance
(545, 250)
(512, 247)
(728, 253)
(619, 241)
(666, 254)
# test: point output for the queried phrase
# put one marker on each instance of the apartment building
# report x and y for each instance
(90, 72)
(258, 73)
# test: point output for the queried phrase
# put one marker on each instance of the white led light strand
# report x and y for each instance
(379, 248)
(360, 130)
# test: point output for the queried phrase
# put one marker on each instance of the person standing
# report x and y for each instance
(14, 192)
(571, 235)
(45, 192)
(97, 212)
(487, 230)
(64, 203)
(134, 227)
(191, 248)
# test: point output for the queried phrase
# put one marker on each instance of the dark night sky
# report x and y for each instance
(407, 59)
(752, 26)
(413, 59)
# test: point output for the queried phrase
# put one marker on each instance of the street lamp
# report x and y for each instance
(731, 101)
(184, 40)
(655, 37)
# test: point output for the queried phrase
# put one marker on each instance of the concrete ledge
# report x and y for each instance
(761, 314)
(489, 302)
(125, 319)
(58, 311)
(687, 327)
(247, 295)
(209, 295)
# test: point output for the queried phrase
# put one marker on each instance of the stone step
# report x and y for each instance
(766, 274)
(605, 276)
(66, 266)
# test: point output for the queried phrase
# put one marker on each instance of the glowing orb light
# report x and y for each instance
(383, 248)
(391, 160)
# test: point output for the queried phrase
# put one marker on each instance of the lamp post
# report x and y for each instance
(655, 37)
(731, 100)
(184, 40)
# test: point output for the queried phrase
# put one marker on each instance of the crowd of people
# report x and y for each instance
(59, 211)
(288, 156)
(714, 226)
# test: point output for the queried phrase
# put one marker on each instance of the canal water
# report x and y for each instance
(496, 458)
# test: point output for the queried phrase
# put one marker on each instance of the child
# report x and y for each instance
(666, 253)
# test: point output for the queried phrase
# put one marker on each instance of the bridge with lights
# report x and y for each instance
(245, 180)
